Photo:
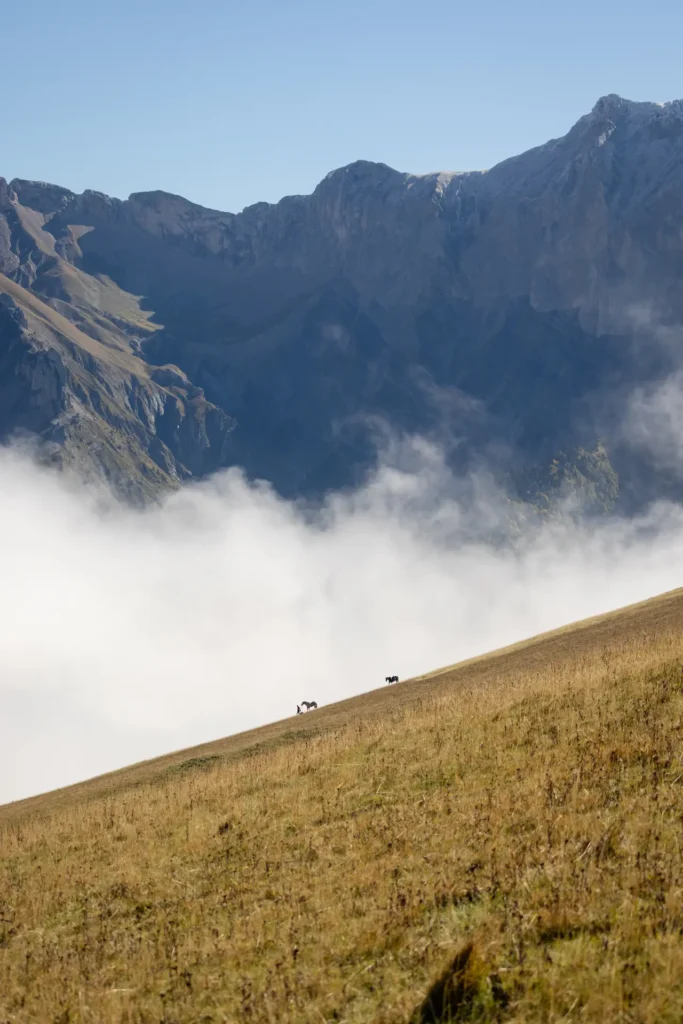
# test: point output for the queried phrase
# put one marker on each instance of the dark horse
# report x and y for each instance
(391, 679)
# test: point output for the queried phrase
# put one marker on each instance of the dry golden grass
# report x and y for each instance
(504, 838)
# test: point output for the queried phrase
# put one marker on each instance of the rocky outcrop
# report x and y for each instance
(41, 197)
(505, 312)
(100, 418)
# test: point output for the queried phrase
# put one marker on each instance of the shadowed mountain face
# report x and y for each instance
(507, 314)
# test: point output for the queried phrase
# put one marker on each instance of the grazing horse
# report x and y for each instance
(308, 704)
(391, 679)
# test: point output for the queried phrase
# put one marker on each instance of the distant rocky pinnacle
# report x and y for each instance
(507, 314)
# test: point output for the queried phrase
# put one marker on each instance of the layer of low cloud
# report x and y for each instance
(126, 634)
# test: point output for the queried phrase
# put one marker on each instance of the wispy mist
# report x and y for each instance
(126, 634)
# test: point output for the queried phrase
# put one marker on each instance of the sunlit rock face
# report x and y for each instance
(507, 314)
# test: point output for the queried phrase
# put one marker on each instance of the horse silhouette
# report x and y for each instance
(391, 679)
(308, 704)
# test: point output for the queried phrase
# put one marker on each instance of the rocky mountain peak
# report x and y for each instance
(614, 106)
(617, 108)
(480, 305)
(159, 200)
(91, 207)
(7, 195)
(41, 196)
(630, 119)
(360, 176)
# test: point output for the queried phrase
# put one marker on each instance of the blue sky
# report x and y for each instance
(231, 103)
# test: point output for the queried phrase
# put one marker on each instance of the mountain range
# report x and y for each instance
(507, 314)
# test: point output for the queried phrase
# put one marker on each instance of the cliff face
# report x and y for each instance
(71, 377)
(505, 312)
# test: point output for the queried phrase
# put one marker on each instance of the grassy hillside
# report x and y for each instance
(496, 841)
(40, 313)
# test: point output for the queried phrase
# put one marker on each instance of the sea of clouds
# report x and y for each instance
(125, 634)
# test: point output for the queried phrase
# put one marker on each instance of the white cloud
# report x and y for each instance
(653, 423)
(125, 634)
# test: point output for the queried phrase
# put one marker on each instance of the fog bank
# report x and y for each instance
(126, 634)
